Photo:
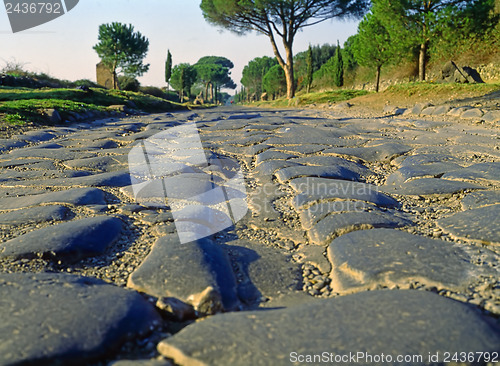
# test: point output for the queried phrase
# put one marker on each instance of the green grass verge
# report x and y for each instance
(29, 104)
(303, 99)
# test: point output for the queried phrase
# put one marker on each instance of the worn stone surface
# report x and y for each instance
(355, 322)
(141, 363)
(434, 170)
(68, 241)
(381, 152)
(264, 274)
(336, 225)
(489, 172)
(428, 186)
(480, 198)
(77, 196)
(312, 176)
(317, 189)
(368, 259)
(479, 225)
(39, 324)
(35, 215)
(185, 271)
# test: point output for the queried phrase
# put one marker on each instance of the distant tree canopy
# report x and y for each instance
(415, 24)
(183, 77)
(372, 46)
(122, 50)
(274, 82)
(253, 74)
(214, 73)
(278, 19)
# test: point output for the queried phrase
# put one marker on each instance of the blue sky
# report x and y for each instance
(63, 47)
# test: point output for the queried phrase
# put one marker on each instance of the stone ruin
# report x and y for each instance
(104, 76)
(451, 73)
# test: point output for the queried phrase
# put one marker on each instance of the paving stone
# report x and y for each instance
(76, 196)
(37, 136)
(264, 274)
(84, 145)
(111, 179)
(9, 144)
(419, 107)
(268, 168)
(69, 241)
(434, 170)
(19, 162)
(420, 323)
(419, 159)
(480, 198)
(427, 186)
(260, 201)
(12, 176)
(480, 225)
(298, 135)
(339, 169)
(48, 153)
(244, 116)
(489, 172)
(41, 318)
(141, 363)
(315, 212)
(35, 215)
(383, 152)
(198, 273)
(472, 113)
(339, 224)
(427, 111)
(367, 259)
(456, 112)
(442, 109)
(100, 163)
(492, 116)
(272, 155)
(302, 149)
(316, 189)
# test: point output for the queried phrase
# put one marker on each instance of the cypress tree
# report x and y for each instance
(338, 67)
(309, 62)
(168, 68)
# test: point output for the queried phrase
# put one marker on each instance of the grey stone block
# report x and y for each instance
(48, 319)
(353, 323)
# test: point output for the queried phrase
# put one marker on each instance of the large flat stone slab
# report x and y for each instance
(428, 186)
(374, 323)
(35, 215)
(264, 274)
(480, 225)
(77, 196)
(419, 159)
(68, 241)
(339, 224)
(48, 319)
(480, 198)
(111, 179)
(317, 189)
(317, 211)
(382, 152)
(198, 273)
(368, 259)
(489, 172)
(100, 163)
(432, 170)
